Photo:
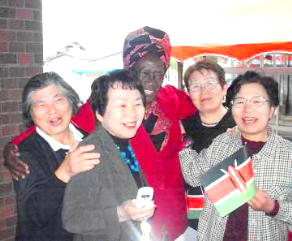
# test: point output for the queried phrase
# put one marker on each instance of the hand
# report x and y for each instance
(17, 168)
(79, 159)
(233, 130)
(262, 202)
(129, 211)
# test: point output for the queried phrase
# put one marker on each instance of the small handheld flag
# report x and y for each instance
(230, 184)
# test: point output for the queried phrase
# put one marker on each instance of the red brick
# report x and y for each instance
(3, 224)
(9, 130)
(5, 176)
(31, 71)
(4, 95)
(33, 25)
(38, 37)
(21, 82)
(15, 94)
(5, 188)
(7, 12)
(6, 233)
(16, 24)
(9, 84)
(3, 142)
(25, 58)
(21, 128)
(34, 47)
(37, 15)
(3, 23)
(4, 3)
(10, 239)
(6, 35)
(33, 4)
(11, 221)
(3, 47)
(3, 70)
(9, 107)
(4, 119)
(16, 3)
(8, 58)
(25, 14)
(16, 47)
(7, 211)
(2, 202)
(16, 118)
(17, 72)
(9, 200)
(25, 36)
(38, 58)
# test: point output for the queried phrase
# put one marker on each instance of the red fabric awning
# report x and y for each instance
(240, 52)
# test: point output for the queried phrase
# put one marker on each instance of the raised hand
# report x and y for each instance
(129, 211)
(262, 202)
(17, 168)
(79, 159)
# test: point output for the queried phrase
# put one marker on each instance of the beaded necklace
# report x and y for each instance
(127, 154)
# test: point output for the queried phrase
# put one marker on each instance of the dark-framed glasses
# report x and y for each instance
(208, 84)
(255, 101)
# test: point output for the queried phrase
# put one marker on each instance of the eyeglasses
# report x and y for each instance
(148, 76)
(209, 84)
(255, 101)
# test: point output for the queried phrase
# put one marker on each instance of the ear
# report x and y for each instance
(225, 88)
(99, 117)
(272, 112)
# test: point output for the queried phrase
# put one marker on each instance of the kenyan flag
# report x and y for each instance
(230, 184)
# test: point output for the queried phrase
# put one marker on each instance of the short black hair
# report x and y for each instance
(270, 85)
(41, 81)
(101, 86)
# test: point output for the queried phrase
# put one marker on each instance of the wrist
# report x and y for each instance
(122, 216)
(275, 209)
(62, 175)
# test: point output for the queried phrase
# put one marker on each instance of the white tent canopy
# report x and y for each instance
(102, 26)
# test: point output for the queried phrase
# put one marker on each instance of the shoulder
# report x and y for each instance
(100, 139)
(171, 90)
(192, 121)
(29, 142)
(280, 143)
(225, 141)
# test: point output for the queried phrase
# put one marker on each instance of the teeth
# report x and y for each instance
(55, 121)
(133, 124)
(147, 92)
(204, 100)
(249, 120)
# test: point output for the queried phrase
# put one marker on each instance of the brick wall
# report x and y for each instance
(21, 51)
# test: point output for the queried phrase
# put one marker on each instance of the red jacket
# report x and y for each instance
(161, 169)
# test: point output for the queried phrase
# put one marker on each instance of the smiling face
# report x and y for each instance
(253, 121)
(206, 101)
(51, 111)
(124, 112)
(151, 72)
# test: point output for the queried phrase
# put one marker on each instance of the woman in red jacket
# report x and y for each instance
(157, 143)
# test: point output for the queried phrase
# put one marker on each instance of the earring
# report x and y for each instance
(224, 99)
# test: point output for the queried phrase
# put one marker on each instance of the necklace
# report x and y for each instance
(129, 157)
(209, 124)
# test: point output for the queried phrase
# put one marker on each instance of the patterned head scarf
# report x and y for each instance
(143, 41)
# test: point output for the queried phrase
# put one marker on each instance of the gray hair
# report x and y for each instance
(41, 81)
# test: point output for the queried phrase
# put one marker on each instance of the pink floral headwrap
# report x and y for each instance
(143, 41)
